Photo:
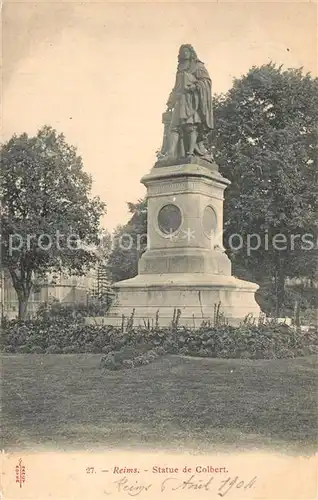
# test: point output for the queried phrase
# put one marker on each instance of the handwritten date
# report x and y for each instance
(193, 483)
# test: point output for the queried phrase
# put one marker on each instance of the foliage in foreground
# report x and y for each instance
(137, 346)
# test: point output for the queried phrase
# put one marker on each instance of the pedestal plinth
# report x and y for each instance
(185, 265)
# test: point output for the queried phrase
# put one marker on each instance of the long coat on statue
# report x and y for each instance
(192, 106)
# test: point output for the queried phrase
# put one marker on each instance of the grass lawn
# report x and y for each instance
(65, 401)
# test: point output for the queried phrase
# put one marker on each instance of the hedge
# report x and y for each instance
(224, 341)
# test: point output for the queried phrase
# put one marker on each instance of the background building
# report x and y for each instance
(58, 286)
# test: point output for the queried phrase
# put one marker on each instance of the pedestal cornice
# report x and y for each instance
(185, 171)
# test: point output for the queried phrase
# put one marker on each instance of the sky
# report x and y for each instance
(101, 72)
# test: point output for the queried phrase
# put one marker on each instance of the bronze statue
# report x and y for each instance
(189, 116)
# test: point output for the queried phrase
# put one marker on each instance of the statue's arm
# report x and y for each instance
(202, 74)
(171, 100)
(202, 79)
(172, 97)
(204, 90)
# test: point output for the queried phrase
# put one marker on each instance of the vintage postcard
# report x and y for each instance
(159, 250)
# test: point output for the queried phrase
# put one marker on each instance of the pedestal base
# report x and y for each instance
(184, 260)
(185, 266)
(194, 294)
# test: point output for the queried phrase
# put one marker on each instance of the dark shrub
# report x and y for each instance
(108, 362)
(128, 363)
(24, 349)
(36, 349)
(53, 349)
(71, 349)
(9, 348)
(141, 345)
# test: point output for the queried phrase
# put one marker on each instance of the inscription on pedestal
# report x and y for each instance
(179, 187)
(175, 186)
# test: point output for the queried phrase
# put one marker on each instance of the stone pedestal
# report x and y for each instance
(185, 265)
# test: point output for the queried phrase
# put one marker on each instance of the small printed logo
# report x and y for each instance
(20, 473)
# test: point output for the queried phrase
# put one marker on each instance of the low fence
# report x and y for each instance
(10, 309)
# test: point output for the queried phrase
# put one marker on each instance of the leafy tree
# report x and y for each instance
(129, 242)
(266, 143)
(49, 219)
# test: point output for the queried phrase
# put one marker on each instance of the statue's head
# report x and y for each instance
(187, 52)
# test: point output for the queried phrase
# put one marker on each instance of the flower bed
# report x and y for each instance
(142, 345)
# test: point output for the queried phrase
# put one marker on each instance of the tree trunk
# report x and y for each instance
(280, 286)
(23, 299)
(297, 313)
(22, 282)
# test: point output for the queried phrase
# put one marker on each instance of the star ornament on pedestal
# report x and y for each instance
(188, 234)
